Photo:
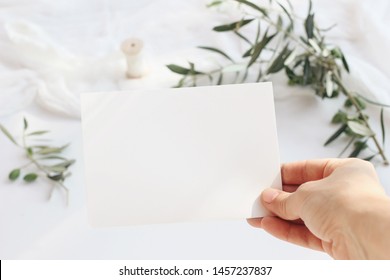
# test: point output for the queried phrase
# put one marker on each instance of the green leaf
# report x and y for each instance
(348, 103)
(370, 157)
(178, 69)
(253, 6)
(232, 26)
(51, 150)
(14, 174)
(214, 3)
(29, 151)
(309, 26)
(340, 117)
(359, 147)
(336, 134)
(336, 52)
(59, 169)
(39, 132)
(9, 136)
(217, 51)
(31, 177)
(56, 177)
(345, 63)
(259, 47)
(248, 52)
(383, 127)
(359, 128)
(278, 63)
(25, 123)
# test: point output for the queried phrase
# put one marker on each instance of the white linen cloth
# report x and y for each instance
(55, 50)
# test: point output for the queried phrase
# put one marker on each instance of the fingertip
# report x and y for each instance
(255, 222)
(269, 195)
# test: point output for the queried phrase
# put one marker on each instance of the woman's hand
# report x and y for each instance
(335, 205)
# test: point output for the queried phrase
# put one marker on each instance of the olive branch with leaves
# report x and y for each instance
(45, 160)
(307, 60)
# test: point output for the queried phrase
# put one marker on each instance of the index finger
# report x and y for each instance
(297, 173)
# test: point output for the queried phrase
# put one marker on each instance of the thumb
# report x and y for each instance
(282, 204)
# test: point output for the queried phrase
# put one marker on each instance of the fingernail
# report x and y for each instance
(269, 195)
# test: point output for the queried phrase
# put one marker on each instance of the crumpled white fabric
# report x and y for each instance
(51, 51)
(59, 74)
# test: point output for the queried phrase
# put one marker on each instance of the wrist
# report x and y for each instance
(369, 225)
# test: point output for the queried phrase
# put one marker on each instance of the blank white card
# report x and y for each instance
(179, 155)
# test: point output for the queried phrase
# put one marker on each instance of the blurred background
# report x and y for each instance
(52, 51)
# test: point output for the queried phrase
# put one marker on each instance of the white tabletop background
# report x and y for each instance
(31, 227)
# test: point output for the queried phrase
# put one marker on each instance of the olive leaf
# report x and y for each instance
(214, 3)
(336, 134)
(25, 123)
(370, 157)
(309, 26)
(14, 174)
(349, 103)
(178, 69)
(51, 150)
(39, 132)
(309, 22)
(359, 128)
(359, 147)
(340, 117)
(278, 63)
(232, 26)
(8, 135)
(31, 177)
(216, 51)
(344, 61)
(258, 48)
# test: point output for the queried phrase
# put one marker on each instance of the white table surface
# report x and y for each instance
(31, 227)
